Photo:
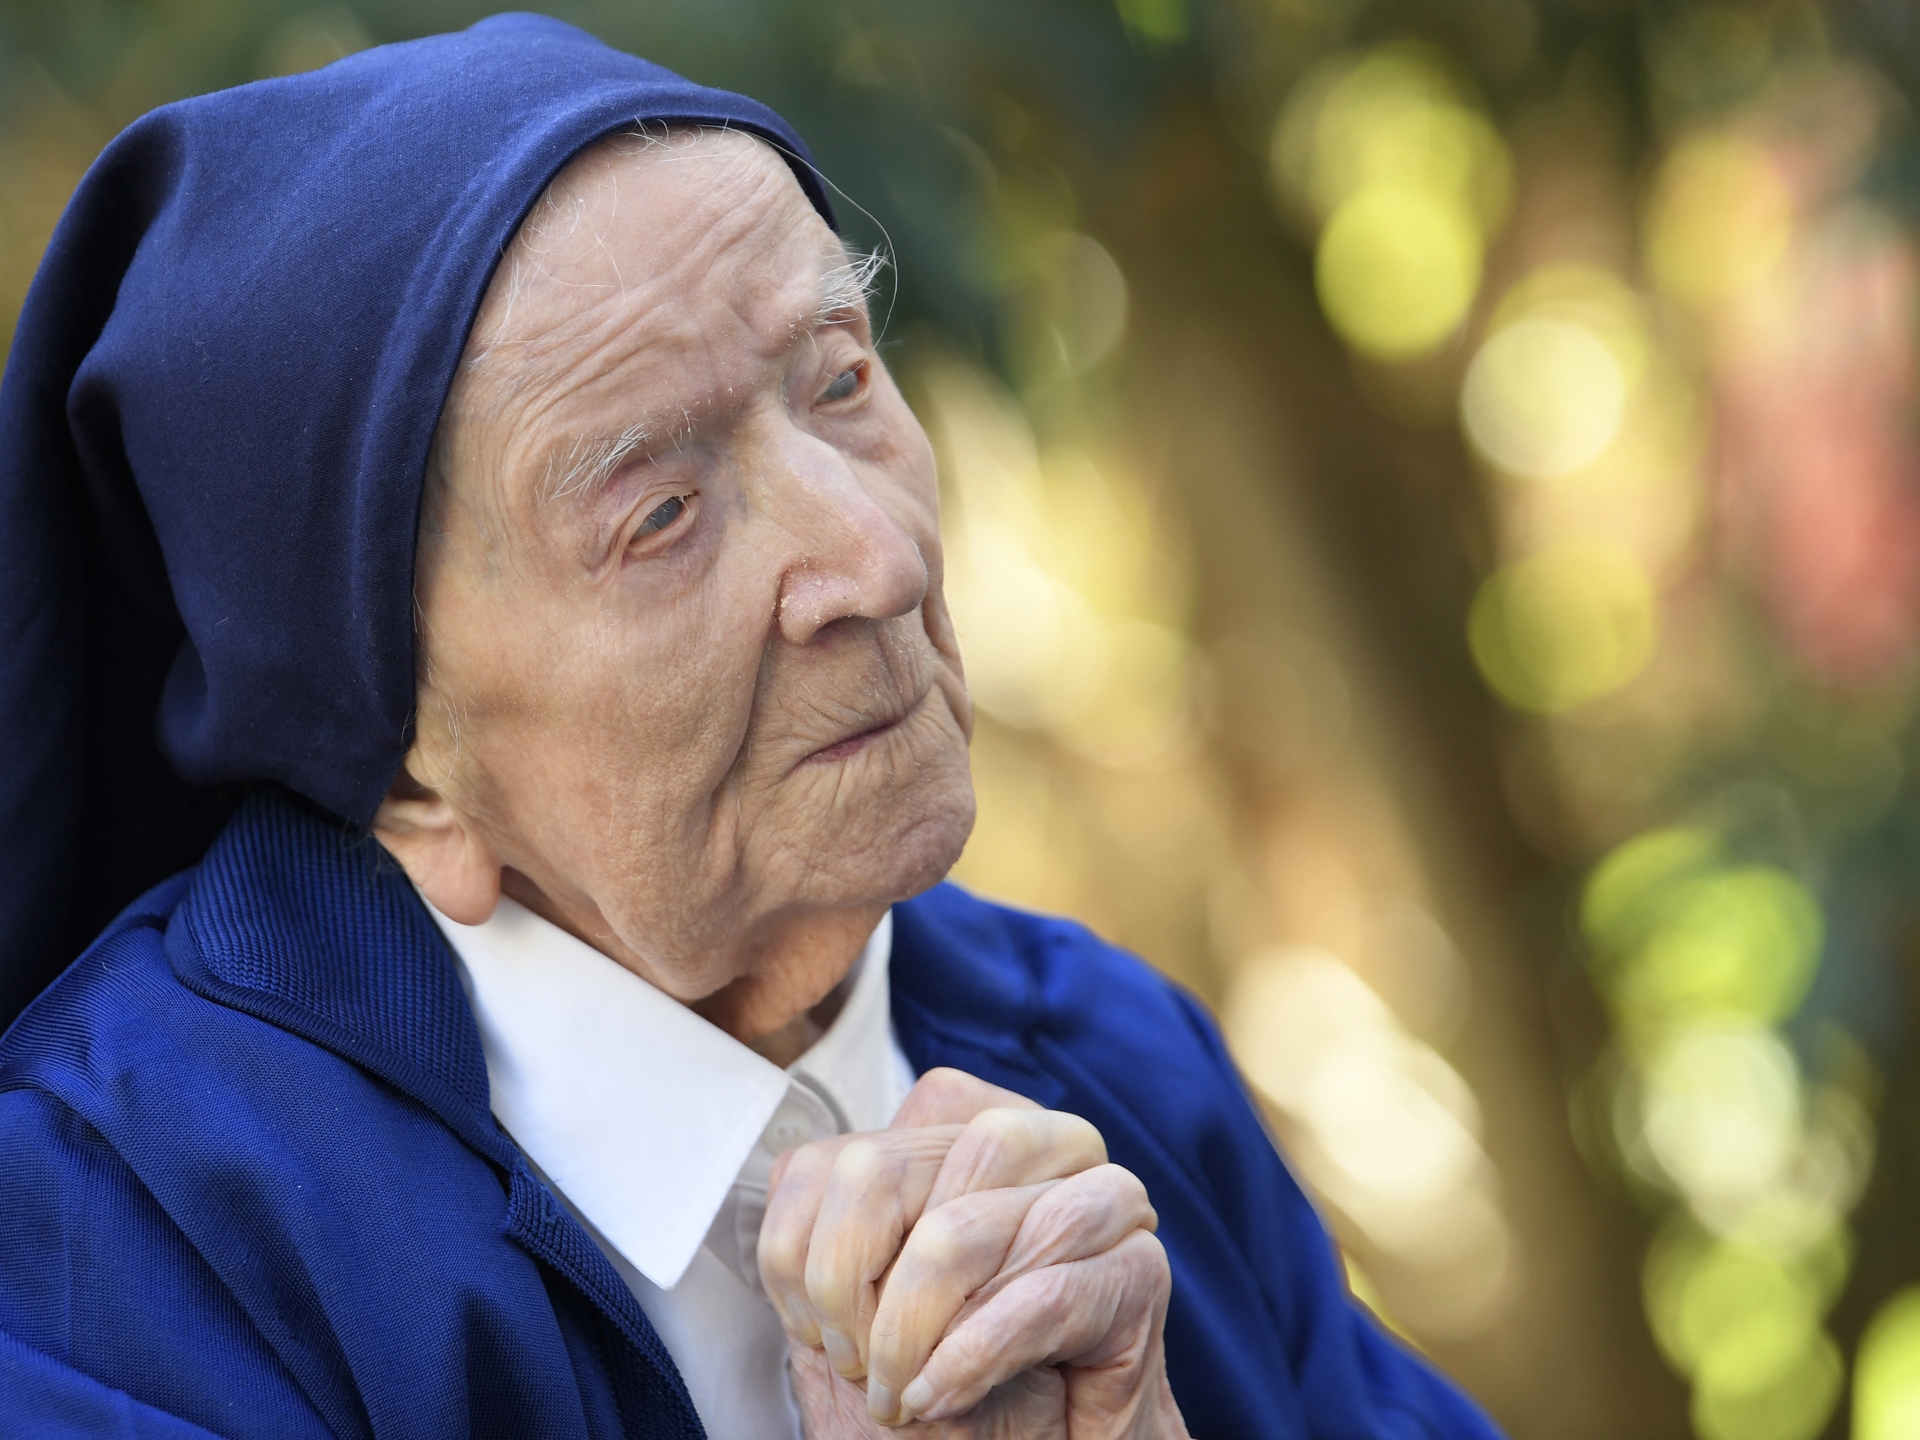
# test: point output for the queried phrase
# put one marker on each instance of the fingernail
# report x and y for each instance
(841, 1353)
(919, 1397)
(882, 1404)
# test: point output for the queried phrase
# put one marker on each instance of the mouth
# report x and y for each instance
(854, 744)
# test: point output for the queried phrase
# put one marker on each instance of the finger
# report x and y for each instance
(1084, 1215)
(1005, 1147)
(951, 1253)
(880, 1184)
(945, 1096)
(965, 1252)
(1089, 1312)
(873, 1193)
(794, 1191)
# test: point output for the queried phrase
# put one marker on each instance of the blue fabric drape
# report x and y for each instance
(213, 431)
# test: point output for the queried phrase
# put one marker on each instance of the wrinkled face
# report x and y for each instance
(688, 673)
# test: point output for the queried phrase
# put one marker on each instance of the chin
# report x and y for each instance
(904, 844)
(931, 842)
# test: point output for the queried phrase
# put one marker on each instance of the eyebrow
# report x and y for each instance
(583, 467)
(847, 289)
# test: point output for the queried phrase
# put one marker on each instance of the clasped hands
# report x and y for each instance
(976, 1270)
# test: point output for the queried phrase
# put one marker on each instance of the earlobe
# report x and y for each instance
(439, 848)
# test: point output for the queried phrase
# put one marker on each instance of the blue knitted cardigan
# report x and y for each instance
(250, 1184)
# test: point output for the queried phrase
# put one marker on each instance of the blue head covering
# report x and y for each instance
(214, 427)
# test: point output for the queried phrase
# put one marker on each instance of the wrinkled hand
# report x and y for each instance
(980, 1267)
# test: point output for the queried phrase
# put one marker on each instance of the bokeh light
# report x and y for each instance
(1408, 181)
(1543, 398)
(1681, 935)
(1395, 116)
(1745, 1325)
(1387, 1130)
(1886, 1386)
(1718, 219)
(1721, 1108)
(1397, 268)
(1565, 625)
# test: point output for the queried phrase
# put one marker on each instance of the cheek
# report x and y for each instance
(603, 734)
(667, 690)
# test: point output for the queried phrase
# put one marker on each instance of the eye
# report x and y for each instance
(844, 385)
(663, 515)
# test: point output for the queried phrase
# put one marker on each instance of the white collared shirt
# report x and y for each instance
(657, 1130)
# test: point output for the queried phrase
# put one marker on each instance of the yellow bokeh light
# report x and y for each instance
(1050, 560)
(1160, 21)
(1626, 894)
(1735, 1310)
(1407, 180)
(1741, 942)
(1567, 624)
(1586, 295)
(1679, 935)
(1072, 308)
(1393, 117)
(1143, 712)
(1543, 398)
(1718, 219)
(1396, 269)
(1386, 1129)
(1722, 1109)
(1744, 1325)
(1763, 1395)
(1886, 1380)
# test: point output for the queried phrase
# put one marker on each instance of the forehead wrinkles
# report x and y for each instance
(641, 289)
(620, 220)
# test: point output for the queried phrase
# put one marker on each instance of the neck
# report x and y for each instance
(793, 971)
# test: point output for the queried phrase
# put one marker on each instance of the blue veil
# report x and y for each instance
(214, 426)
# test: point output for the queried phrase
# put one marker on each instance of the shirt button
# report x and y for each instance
(790, 1128)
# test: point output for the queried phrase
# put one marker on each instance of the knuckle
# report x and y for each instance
(1122, 1190)
(1145, 1258)
(830, 1279)
(944, 1084)
(779, 1253)
(860, 1164)
(1080, 1136)
(939, 1240)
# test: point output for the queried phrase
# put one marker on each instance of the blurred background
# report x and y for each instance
(1433, 500)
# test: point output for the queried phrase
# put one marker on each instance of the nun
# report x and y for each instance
(483, 743)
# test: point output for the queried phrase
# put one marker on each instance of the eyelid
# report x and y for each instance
(688, 505)
(858, 369)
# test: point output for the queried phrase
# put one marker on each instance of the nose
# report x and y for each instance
(849, 557)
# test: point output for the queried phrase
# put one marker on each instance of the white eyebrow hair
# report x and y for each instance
(848, 288)
(587, 462)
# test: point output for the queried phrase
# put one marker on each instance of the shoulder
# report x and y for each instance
(119, 1038)
(109, 1013)
(109, 1304)
(164, 1060)
(988, 968)
(1088, 1022)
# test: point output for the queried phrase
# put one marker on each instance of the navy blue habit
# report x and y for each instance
(250, 1185)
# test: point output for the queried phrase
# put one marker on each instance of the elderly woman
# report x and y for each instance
(454, 506)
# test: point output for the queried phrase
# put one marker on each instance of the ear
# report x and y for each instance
(439, 848)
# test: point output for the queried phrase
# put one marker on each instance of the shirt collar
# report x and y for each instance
(640, 1112)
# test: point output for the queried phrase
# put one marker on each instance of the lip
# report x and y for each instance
(854, 744)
